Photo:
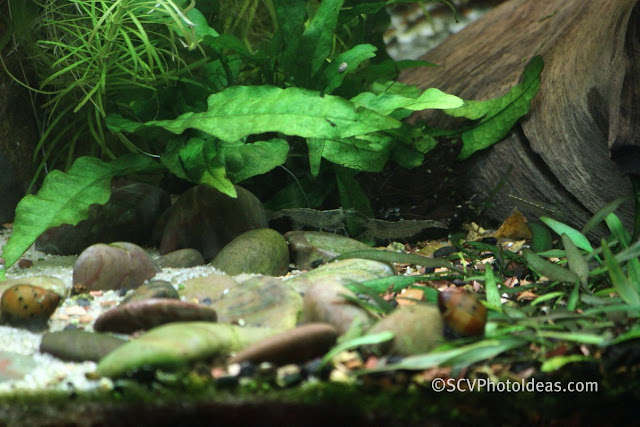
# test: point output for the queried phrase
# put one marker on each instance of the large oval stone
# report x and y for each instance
(153, 289)
(146, 314)
(206, 220)
(116, 266)
(263, 251)
(206, 289)
(293, 346)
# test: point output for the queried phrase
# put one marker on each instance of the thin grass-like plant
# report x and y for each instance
(89, 52)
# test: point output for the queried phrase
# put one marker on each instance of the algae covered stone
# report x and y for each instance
(178, 344)
(261, 251)
(260, 301)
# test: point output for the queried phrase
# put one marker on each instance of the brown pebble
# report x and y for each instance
(25, 263)
(293, 346)
(96, 293)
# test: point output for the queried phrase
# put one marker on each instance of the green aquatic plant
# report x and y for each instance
(186, 89)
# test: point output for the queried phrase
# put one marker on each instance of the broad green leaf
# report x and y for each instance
(576, 237)
(199, 162)
(333, 75)
(368, 153)
(627, 290)
(290, 17)
(240, 111)
(243, 161)
(65, 198)
(541, 239)
(316, 42)
(552, 271)
(558, 362)
(497, 116)
(599, 216)
(395, 283)
(202, 27)
(577, 263)
(386, 103)
(491, 288)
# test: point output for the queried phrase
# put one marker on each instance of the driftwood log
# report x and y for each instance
(570, 154)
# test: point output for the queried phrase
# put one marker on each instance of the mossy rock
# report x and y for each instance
(261, 251)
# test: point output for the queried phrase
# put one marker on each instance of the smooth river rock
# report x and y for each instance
(417, 329)
(175, 345)
(262, 251)
(149, 313)
(206, 220)
(28, 306)
(116, 266)
(293, 346)
(182, 258)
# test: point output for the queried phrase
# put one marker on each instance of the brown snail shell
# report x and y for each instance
(463, 314)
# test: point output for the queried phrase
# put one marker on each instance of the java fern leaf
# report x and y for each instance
(240, 111)
(65, 198)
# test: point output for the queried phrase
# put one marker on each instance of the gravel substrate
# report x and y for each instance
(53, 373)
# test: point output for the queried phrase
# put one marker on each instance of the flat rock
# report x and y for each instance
(206, 220)
(261, 251)
(120, 265)
(343, 271)
(78, 345)
(293, 346)
(182, 258)
(149, 313)
(310, 249)
(129, 215)
(324, 302)
(260, 301)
